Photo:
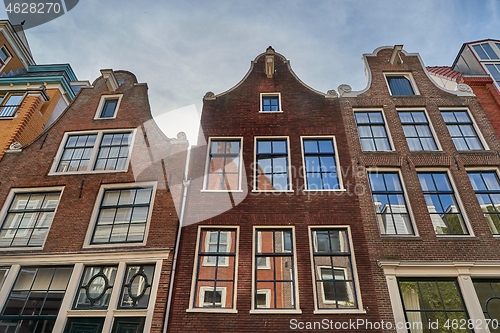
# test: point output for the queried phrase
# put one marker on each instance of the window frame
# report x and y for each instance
(255, 164)
(392, 147)
(6, 51)
(474, 125)
(194, 295)
(8, 202)
(457, 197)
(293, 254)
(429, 124)
(102, 102)
(271, 94)
(95, 151)
(493, 46)
(405, 195)
(317, 269)
(6, 96)
(408, 76)
(335, 156)
(207, 164)
(97, 205)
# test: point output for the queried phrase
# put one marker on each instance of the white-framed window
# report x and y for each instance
(272, 164)
(5, 56)
(270, 102)
(486, 50)
(426, 291)
(401, 84)
(93, 152)
(443, 205)
(321, 164)
(486, 185)
(418, 130)
(27, 216)
(390, 202)
(214, 282)
(463, 130)
(334, 270)
(278, 246)
(108, 106)
(373, 133)
(224, 164)
(10, 103)
(122, 215)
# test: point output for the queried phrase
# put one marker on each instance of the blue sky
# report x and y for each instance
(183, 49)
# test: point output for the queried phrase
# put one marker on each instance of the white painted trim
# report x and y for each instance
(431, 127)
(271, 94)
(103, 100)
(474, 125)
(207, 163)
(255, 165)
(97, 205)
(95, 151)
(389, 136)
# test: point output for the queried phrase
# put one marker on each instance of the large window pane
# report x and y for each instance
(95, 288)
(372, 132)
(462, 130)
(487, 187)
(224, 165)
(417, 131)
(272, 165)
(320, 165)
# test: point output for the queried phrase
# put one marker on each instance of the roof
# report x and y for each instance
(469, 43)
(445, 72)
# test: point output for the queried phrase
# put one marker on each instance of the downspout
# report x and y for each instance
(185, 187)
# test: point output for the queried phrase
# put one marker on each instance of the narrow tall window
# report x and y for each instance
(400, 86)
(95, 288)
(214, 282)
(417, 131)
(109, 108)
(320, 164)
(28, 219)
(278, 282)
(372, 132)
(35, 299)
(333, 269)
(462, 130)
(488, 293)
(272, 165)
(123, 215)
(390, 204)
(136, 287)
(223, 173)
(432, 300)
(442, 204)
(487, 188)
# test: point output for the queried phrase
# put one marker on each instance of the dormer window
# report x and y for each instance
(485, 51)
(9, 104)
(108, 107)
(400, 85)
(4, 56)
(270, 102)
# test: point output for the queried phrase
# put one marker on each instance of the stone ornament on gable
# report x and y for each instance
(16, 146)
(344, 88)
(209, 96)
(464, 88)
(331, 94)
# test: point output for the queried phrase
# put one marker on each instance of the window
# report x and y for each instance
(277, 247)
(462, 130)
(441, 204)
(123, 215)
(224, 170)
(4, 56)
(108, 106)
(35, 299)
(272, 172)
(95, 288)
(320, 164)
(390, 204)
(102, 151)
(400, 85)
(432, 300)
(494, 70)
(333, 269)
(270, 103)
(372, 131)
(214, 283)
(417, 131)
(487, 188)
(136, 287)
(128, 325)
(488, 292)
(10, 103)
(28, 219)
(485, 51)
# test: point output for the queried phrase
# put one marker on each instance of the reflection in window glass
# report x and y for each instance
(224, 165)
(95, 288)
(272, 165)
(487, 188)
(400, 86)
(462, 130)
(136, 286)
(441, 203)
(270, 103)
(109, 108)
(417, 131)
(372, 132)
(320, 164)
(488, 292)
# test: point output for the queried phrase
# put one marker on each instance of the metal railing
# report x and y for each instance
(8, 110)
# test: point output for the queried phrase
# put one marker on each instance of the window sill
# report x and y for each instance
(20, 248)
(273, 191)
(340, 311)
(379, 151)
(401, 237)
(129, 312)
(105, 118)
(87, 313)
(322, 190)
(270, 111)
(457, 237)
(221, 191)
(8, 118)
(52, 173)
(113, 245)
(211, 310)
(277, 311)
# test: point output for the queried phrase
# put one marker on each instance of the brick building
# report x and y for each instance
(88, 219)
(31, 96)
(272, 235)
(431, 158)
